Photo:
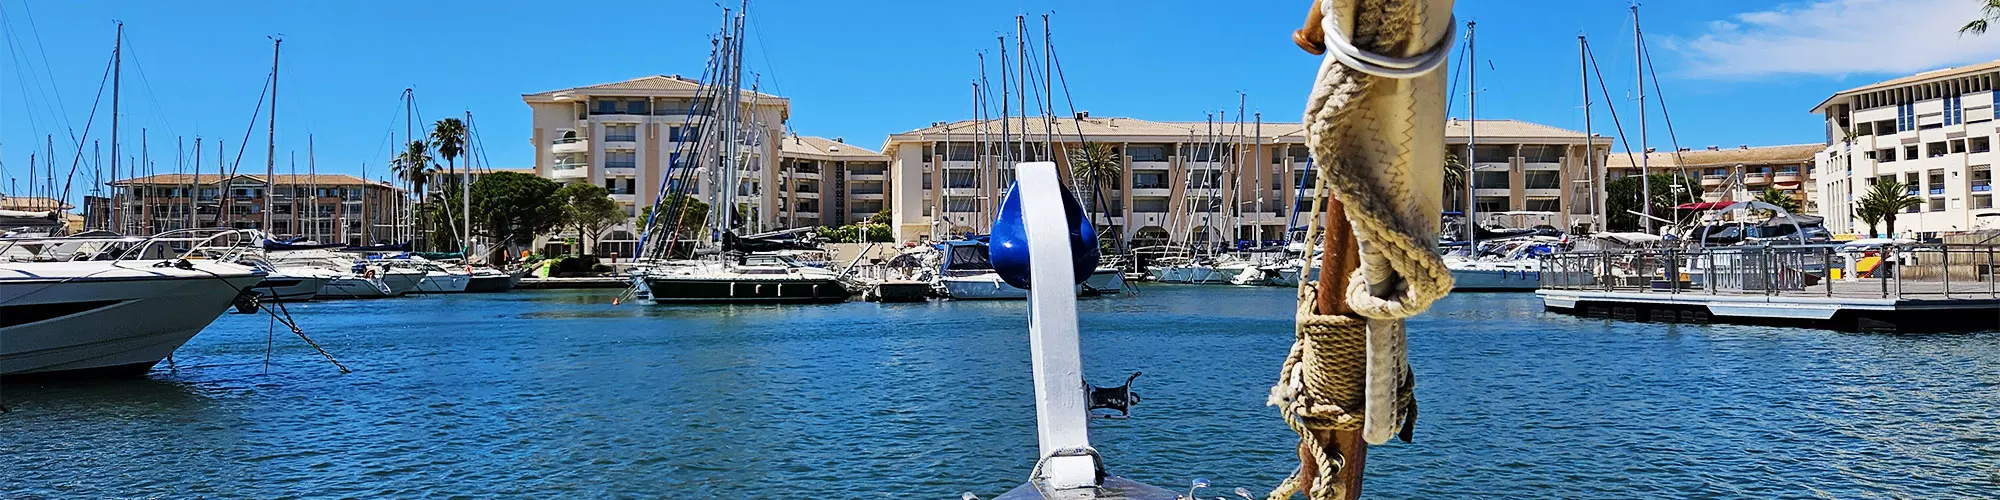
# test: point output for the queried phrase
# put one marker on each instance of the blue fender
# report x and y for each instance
(1009, 242)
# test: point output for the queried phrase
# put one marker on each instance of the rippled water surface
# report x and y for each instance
(560, 394)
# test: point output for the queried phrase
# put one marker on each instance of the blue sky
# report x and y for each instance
(1734, 72)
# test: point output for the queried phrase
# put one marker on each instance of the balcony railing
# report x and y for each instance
(1982, 186)
(1937, 190)
(621, 138)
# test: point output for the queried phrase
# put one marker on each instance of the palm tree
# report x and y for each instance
(414, 165)
(1989, 11)
(1782, 199)
(1454, 176)
(448, 136)
(1883, 202)
(1094, 163)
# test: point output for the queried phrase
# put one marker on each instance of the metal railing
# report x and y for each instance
(1889, 271)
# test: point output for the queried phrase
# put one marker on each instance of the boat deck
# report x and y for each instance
(1899, 305)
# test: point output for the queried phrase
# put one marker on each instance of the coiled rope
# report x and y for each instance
(1347, 373)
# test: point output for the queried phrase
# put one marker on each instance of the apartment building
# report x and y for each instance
(1735, 174)
(626, 135)
(1932, 131)
(1204, 182)
(325, 207)
(829, 183)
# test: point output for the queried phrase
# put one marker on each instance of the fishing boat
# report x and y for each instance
(107, 317)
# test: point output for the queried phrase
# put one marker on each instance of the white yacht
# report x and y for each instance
(108, 317)
(1513, 265)
(346, 277)
(1105, 280)
(746, 279)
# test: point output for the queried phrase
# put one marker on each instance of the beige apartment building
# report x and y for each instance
(1932, 131)
(330, 208)
(1203, 182)
(829, 183)
(625, 135)
(1735, 174)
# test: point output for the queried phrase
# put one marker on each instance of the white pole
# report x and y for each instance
(1061, 417)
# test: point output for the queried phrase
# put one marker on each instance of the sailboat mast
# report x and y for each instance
(194, 187)
(117, 67)
(271, 138)
(1048, 95)
(465, 197)
(1006, 110)
(1021, 73)
(1597, 215)
(1471, 138)
(1645, 153)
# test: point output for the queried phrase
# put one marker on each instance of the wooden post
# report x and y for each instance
(1337, 265)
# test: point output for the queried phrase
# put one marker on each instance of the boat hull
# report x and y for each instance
(279, 287)
(110, 323)
(689, 290)
(493, 283)
(1105, 281)
(442, 282)
(401, 281)
(984, 287)
(1495, 280)
(353, 287)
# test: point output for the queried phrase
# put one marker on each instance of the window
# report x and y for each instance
(621, 132)
(1910, 152)
(1490, 204)
(1149, 204)
(606, 106)
(1300, 155)
(1954, 110)
(1149, 153)
(1934, 150)
(1149, 180)
(1883, 155)
(621, 159)
(1490, 180)
(637, 106)
(1543, 179)
(1978, 145)
(1544, 205)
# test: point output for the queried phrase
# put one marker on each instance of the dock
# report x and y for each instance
(1909, 289)
(594, 282)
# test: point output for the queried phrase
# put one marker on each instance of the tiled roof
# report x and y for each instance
(1275, 132)
(1936, 74)
(826, 148)
(1761, 155)
(31, 203)
(654, 83)
(282, 179)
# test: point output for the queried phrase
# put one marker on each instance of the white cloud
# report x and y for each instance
(1837, 38)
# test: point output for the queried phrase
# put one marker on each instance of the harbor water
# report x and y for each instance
(562, 394)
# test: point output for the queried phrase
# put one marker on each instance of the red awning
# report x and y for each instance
(1706, 205)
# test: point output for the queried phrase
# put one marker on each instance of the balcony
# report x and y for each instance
(570, 171)
(1161, 192)
(1713, 180)
(621, 142)
(867, 196)
(571, 145)
(1982, 186)
(617, 171)
(625, 198)
(804, 176)
(1788, 176)
(961, 192)
(1541, 166)
(1937, 191)
(1755, 178)
(864, 175)
(1151, 165)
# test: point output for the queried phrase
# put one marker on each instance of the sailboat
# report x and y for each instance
(728, 269)
(1497, 266)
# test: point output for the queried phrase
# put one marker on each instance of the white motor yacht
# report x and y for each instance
(1509, 265)
(346, 277)
(108, 317)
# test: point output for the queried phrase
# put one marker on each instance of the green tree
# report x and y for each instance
(694, 215)
(1454, 177)
(1779, 198)
(1883, 201)
(448, 137)
(513, 207)
(414, 165)
(1989, 11)
(1621, 198)
(590, 209)
(1093, 164)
